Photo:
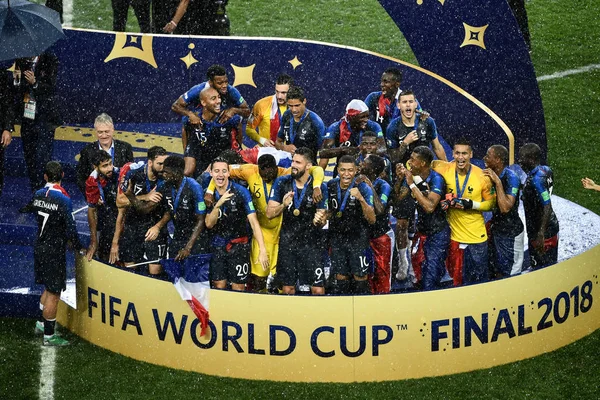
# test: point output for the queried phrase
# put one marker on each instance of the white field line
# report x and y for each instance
(67, 13)
(568, 72)
(47, 367)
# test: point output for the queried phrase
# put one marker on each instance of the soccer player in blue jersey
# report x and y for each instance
(299, 127)
(227, 221)
(101, 195)
(303, 217)
(380, 233)
(383, 104)
(232, 103)
(185, 206)
(408, 131)
(208, 139)
(350, 214)
(56, 227)
(348, 131)
(542, 224)
(137, 235)
(433, 232)
(507, 239)
(403, 135)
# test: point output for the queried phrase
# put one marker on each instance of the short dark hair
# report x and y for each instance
(368, 134)
(395, 72)
(99, 157)
(175, 163)
(231, 157)
(306, 153)
(408, 92)
(284, 79)
(531, 151)
(266, 161)
(53, 171)
(295, 92)
(215, 70)
(156, 151)
(347, 159)
(377, 162)
(463, 141)
(424, 153)
(218, 159)
(501, 152)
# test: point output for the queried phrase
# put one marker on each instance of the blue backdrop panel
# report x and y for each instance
(135, 78)
(478, 46)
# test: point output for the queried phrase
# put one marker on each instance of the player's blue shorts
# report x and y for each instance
(508, 254)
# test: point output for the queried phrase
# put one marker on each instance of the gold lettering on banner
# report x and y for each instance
(474, 35)
(420, 2)
(130, 46)
(189, 60)
(243, 75)
(295, 62)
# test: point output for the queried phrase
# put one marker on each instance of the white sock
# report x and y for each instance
(402, 265)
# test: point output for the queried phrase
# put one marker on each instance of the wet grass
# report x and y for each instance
(565, 35)
(85, 371)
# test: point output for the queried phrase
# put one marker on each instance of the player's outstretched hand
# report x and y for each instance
(263, 258)
(226, 115)
(209, 199)
(590, 184)
(320, 218)
(356, 193)
(152, 233)
(152, 196)
(183, 254)
(114, 253)
(228, 194)
(462, 204)
(491, 174)
(287, 199)
(317, 194)
(91, 251)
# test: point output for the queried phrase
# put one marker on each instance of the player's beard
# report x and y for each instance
(298, 174)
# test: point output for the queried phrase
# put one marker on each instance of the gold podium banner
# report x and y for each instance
(339, 339)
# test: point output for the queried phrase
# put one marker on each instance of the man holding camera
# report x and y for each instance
(34, 80)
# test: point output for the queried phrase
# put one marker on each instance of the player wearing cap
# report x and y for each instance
(348, 131)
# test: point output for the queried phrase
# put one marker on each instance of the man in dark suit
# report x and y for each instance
(121, 152)
(7, 120)
(36, 109)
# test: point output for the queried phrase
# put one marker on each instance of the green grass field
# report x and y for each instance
(565, 35)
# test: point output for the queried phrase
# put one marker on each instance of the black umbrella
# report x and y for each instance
(27, 29)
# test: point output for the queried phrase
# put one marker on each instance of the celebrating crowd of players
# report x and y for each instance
(268, 212)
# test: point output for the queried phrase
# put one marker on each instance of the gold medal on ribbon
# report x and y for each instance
(296, 212)
(339, 214)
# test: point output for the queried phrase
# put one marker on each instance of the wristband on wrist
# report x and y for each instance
(262, 141)
(476, 205)
(412, 186)
(173, 22)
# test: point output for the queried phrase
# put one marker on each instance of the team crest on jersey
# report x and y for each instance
(470, 189)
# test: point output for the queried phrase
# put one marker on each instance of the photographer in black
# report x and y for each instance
(34, 81)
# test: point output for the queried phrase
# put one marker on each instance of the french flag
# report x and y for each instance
(190, 278)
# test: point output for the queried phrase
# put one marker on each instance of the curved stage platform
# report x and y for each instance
(295, 338)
